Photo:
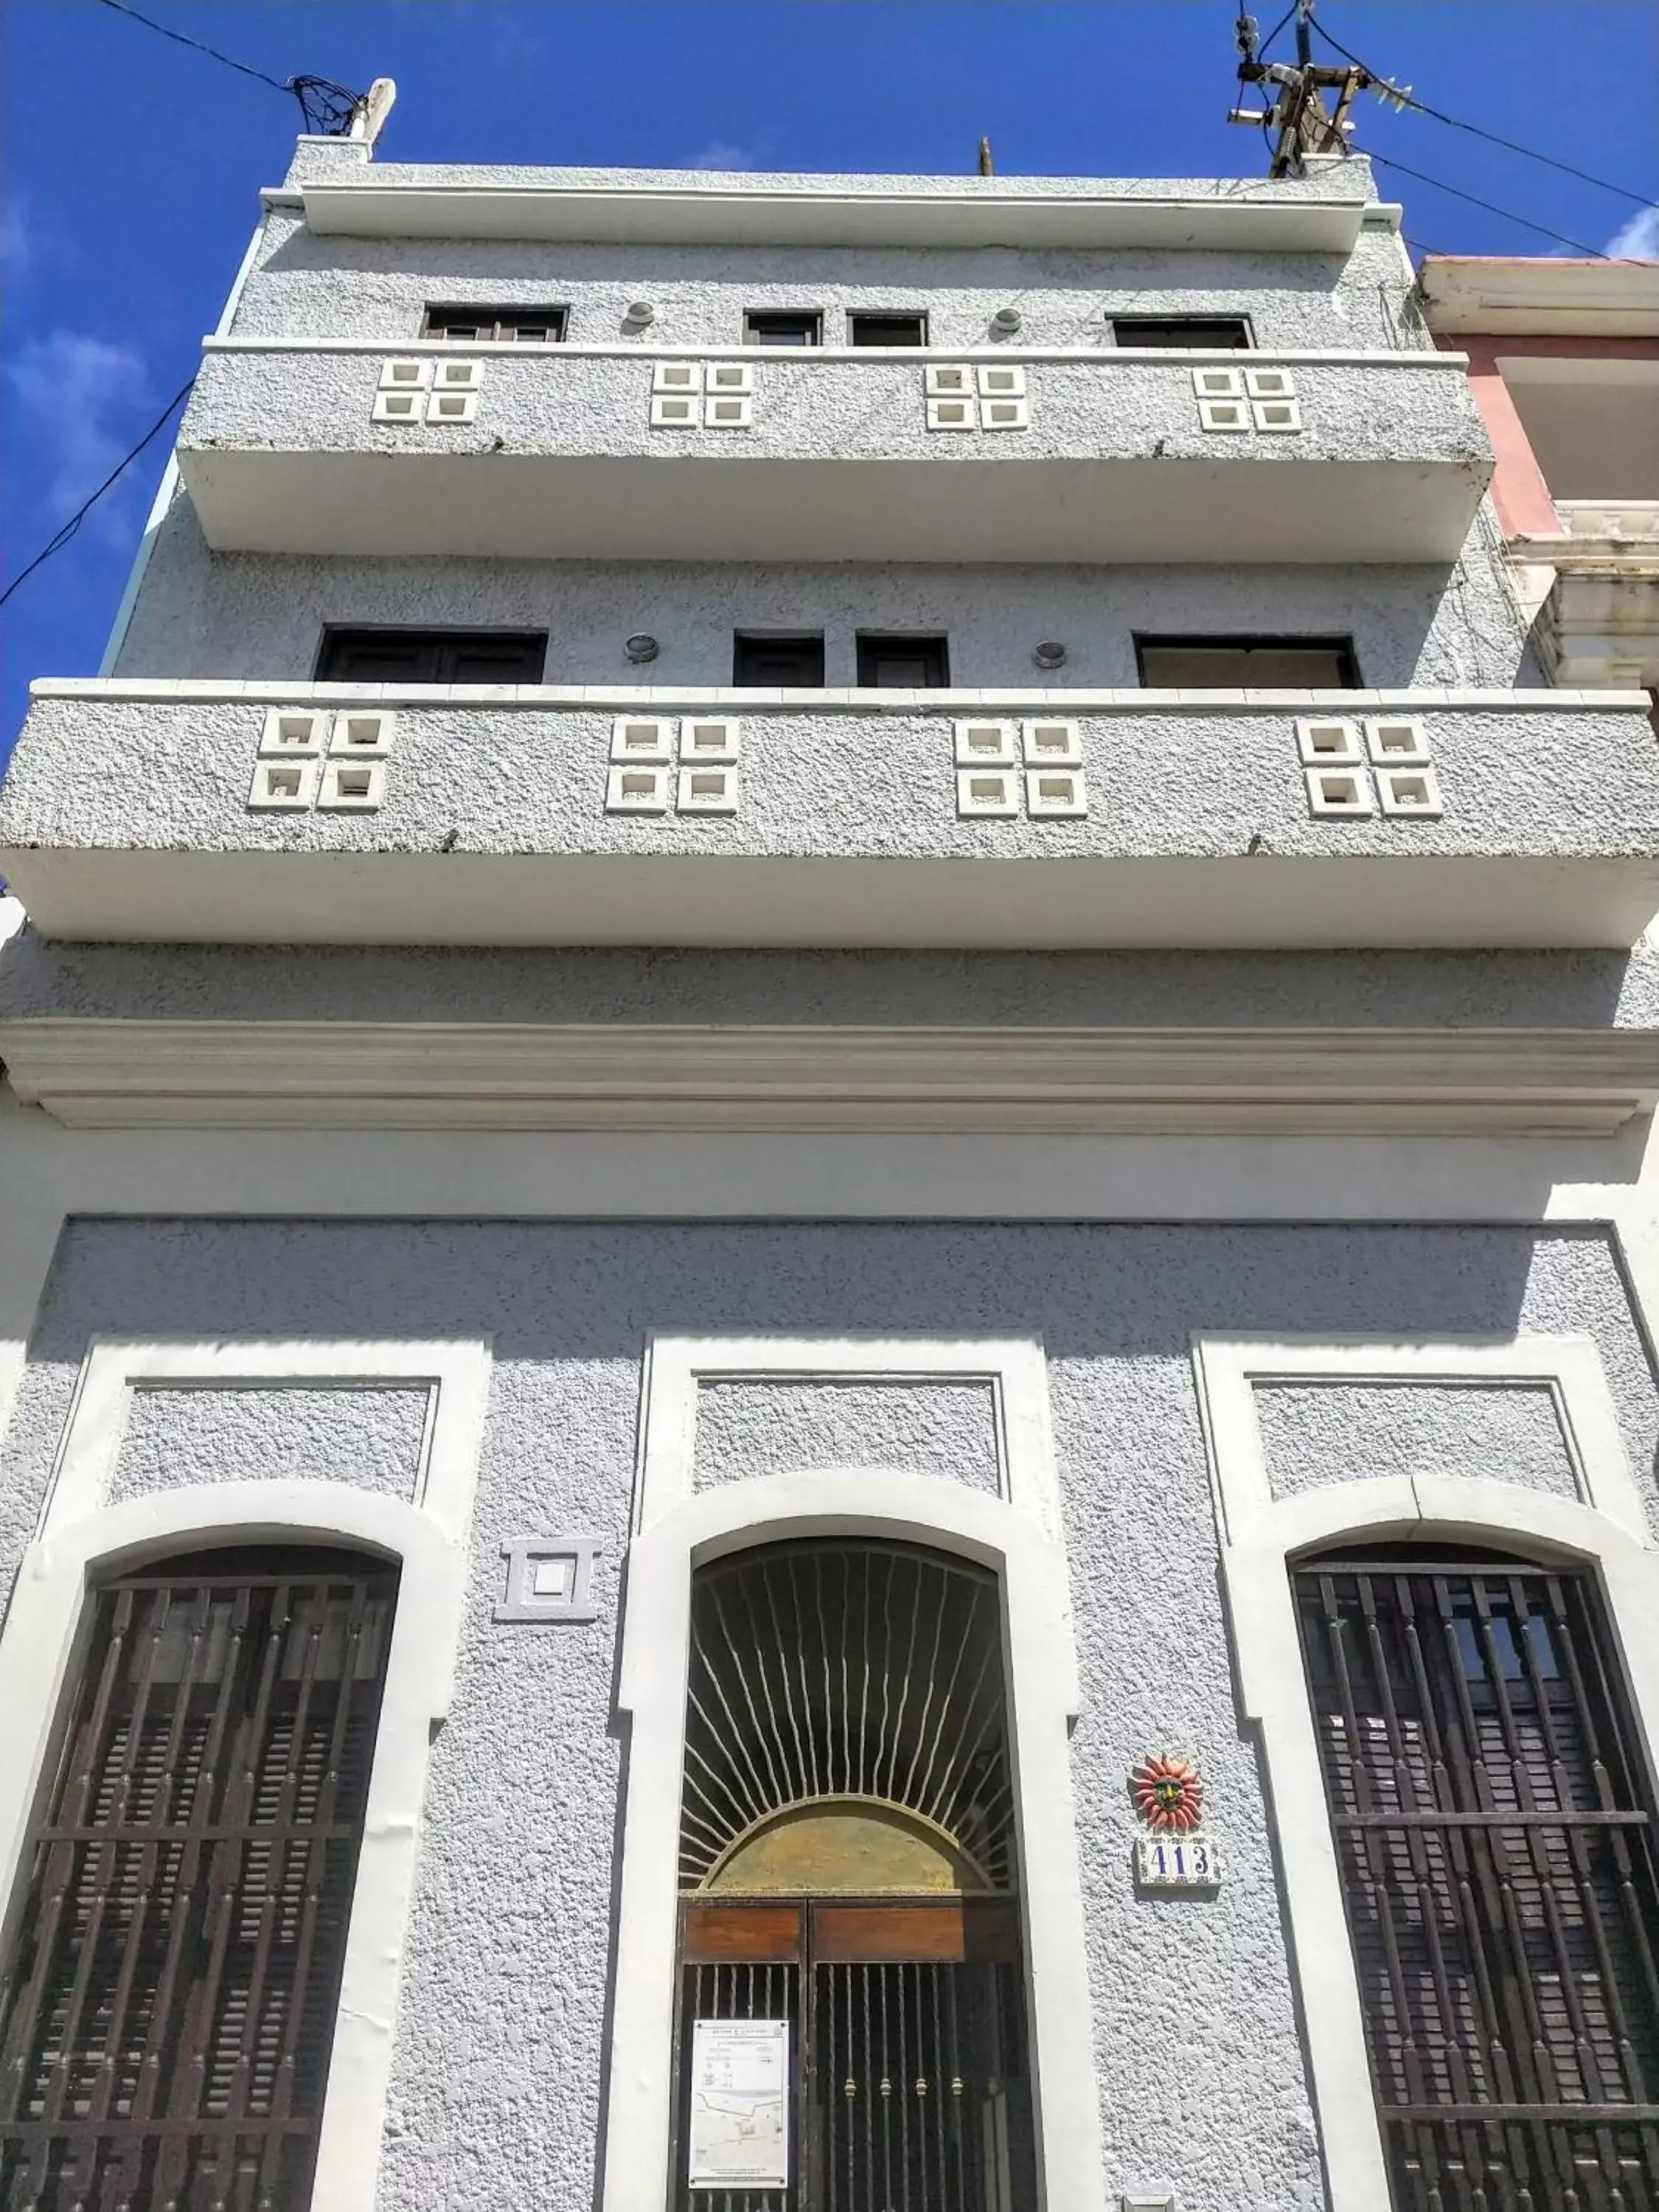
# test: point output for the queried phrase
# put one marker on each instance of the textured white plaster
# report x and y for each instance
(371, 1438)
(1328, 1433)
(749, 1428)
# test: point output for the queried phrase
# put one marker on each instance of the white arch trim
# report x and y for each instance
(655, 1644)
(1260, 1536)
(39, 1648)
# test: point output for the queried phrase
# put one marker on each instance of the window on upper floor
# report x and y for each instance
(1247, 664)
(529, 326)
(432, 656)
(778, 659)
(784, 327)
(1230, 331)
(903, 663)
(882, 329)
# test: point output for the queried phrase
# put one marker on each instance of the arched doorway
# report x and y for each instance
(851, 2030)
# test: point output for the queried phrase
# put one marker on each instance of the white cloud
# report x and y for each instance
(1639, 238)
(717, 155)
(83, 399)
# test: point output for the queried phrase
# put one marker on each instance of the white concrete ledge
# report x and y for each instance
(649, 347)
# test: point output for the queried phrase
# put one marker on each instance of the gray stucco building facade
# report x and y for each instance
(826, 1168)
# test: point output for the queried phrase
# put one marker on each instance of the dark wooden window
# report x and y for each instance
(1494, 1823)
(1201, 331)
(787, 328)
(885, 330)
(904, 663)
(432, 656)
(169, 2000)
(1247, 664)
(529, 326)
(776, 661)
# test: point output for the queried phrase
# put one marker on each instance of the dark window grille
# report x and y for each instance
(777, 659)
(168, 2011)
(1247, 664)
(904, 663)
(784, 327)
(1494, 1824)
(527, 325)
(1229, 333)
(431, 656)
(886, 330)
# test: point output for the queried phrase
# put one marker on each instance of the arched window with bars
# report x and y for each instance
(173, 1965)
(851, 2027)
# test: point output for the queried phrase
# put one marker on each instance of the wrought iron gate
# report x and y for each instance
(168, 2008)
(1492, 1818)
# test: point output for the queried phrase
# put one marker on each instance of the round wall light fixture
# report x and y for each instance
(1006, 320)
(1050, 654)
(640, 646)
(640, 312)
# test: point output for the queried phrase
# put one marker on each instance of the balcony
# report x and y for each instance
(632, 452)
(1599, 617)
(308, 813)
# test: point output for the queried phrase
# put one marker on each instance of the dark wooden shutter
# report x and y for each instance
(1493, 1824)
(434, 656)
(168, 2008)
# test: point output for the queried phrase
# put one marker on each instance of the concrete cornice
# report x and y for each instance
(89, 1073)
(1534, 295)
(646, 348)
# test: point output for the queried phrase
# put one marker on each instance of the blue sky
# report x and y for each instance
(132, 166)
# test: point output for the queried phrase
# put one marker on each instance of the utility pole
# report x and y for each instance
(1296, 111)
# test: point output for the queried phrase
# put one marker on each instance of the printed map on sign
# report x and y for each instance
(739, 2119)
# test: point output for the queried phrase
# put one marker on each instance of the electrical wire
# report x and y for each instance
(1591, 252)
(179, 40)
(61, 537)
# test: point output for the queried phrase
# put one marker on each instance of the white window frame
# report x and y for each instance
(1017, 1535)
(1604, 1527)
(79, 1538)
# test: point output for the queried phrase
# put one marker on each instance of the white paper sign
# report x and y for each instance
(739, 2120)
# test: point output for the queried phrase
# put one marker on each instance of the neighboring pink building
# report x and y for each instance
(1564, 358)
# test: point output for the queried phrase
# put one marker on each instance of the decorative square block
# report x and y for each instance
(946, 379)
(1052, 745)
(549, 1579)
(708, 738)
(1218, 384)
(1055, 791)
(637, 791)
(986, 744)
(1223, 415)
(642, 738)
(721, 413)
(1004, 415)
(708, 791)
(1283, 414)
(350, 786)
(988, 791)
(452, 406)
(676, 376)
(1397, 740)
(405, 375)
(1270, 384)
(1410, 790)
(367, 736)
(1330, 739)
(1339, 791)
(292, 733)
(677, 411)
(995, 382)
(283, 786)
(397, 407)
(952, 414)
(458, 376)
(729, 376)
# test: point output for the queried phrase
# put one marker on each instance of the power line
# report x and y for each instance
(178, 39)
(327, 107)
(61, 537)
(1593, 252)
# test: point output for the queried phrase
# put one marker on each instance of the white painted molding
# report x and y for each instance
(683, 1530)
(118, 1073)
(37, 1649)
(1260, 1536)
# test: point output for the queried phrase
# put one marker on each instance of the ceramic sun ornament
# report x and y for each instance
(1168, 1794)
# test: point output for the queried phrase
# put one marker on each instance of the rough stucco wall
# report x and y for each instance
(253, 615)
(370, 1438)
(1033, 990)
(333, 287)
(503, 2018)
(1313, 1434)
(750, 1428)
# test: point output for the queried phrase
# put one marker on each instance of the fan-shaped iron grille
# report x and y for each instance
(838, 1671)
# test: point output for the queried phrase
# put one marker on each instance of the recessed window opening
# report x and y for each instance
(881, 328)
(1494, 1830)
(1204, 333)
(527, 325)
(172, 1984)
(785, 659)
(801, 326)
(849, 1886)
(1247, 664)
(390, 655)
(903, 662)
